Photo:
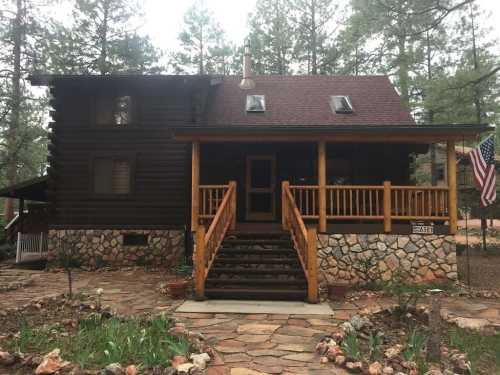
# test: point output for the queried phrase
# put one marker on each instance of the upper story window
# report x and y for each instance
(114, 110)
(256, 103)
(112, 175)
(340, 104)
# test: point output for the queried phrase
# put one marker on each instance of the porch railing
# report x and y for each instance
(374, 202)
(211, 197)
(31, 246)
(304, 240)
(209, 242)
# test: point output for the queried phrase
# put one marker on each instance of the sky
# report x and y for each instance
(164, 19)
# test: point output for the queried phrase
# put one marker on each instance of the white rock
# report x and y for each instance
(200, 360)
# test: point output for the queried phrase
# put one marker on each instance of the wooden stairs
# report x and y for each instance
(258, 266)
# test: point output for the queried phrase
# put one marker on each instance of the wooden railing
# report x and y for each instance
(31, 246)
(379, 202)
(304, 240)
(211, 197)
(209, 242)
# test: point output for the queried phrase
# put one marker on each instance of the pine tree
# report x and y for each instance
(103, 39)
(204, 46)
(272, 37)
(22, 136)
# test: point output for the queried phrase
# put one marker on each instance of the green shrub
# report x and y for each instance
(99, 341)
(406, 293)
(374, 342)
(7, 251)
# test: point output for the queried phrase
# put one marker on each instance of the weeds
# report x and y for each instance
(99, 341)
(350, 345)
(374, 342)
(482, 351)
(407, 294)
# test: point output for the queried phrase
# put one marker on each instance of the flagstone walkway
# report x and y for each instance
(265, 343)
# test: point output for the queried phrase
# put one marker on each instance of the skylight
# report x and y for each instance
(256, 103)
(340, 104)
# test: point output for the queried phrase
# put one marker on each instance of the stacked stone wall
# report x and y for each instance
(99, 248)
(362, 258)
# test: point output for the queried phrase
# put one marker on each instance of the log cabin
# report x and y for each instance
(280, 183)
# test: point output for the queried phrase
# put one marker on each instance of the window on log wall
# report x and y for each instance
(112, 176)
(114, 110)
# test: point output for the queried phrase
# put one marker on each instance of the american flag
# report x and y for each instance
(483, 166)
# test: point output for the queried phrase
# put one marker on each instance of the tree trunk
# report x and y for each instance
(104, 39)
(434, 343)
(12, 157)
(477, 94)
(403, 71)
(201, 64)
(430, 113)
(314, 52)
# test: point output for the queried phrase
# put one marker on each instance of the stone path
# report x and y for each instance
(262, 342)
(271, 344)
(128, 292)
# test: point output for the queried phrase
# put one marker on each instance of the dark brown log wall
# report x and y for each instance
(160, 174)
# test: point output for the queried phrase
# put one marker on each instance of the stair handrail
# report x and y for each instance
(304, 240)
(208, 243)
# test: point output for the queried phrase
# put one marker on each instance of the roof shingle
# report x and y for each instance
(304, 100)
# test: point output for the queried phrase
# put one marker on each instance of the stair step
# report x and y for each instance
(256, 260)
(252, 293)
(253, 281)
(257, 271)
(236, 251)
(259, 241)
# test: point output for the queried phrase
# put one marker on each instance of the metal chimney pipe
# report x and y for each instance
(247, 83)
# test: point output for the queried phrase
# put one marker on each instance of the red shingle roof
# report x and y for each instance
(304, 100)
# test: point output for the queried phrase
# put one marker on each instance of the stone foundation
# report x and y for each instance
(101, 248)
(362, 258)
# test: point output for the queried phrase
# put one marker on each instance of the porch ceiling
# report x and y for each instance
(341, 133)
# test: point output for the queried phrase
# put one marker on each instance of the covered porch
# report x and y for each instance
(340, 183)
(354, 187)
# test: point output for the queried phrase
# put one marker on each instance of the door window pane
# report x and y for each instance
(261, 202)
(261, 171)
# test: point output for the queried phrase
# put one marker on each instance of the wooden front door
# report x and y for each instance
(260, 188)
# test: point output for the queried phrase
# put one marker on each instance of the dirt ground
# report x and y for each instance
(484, 270)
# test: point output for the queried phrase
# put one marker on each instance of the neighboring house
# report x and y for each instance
(139, 162)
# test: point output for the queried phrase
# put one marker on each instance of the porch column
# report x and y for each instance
(21, 215)
(195, 185)
(452, 185)
(322, 185)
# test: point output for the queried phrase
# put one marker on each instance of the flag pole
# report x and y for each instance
(467, 208)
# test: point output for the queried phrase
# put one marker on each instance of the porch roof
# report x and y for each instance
(426, 133)
(33, 189)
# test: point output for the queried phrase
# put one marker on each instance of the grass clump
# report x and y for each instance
(350, 346)
(482, 351)
(98, 341)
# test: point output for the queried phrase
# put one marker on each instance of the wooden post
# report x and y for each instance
(232, 185)
(200, 263)
(312, 266)
(195, 185)
(452, 185)
(284, 218)
(387, 207)
(322, 185)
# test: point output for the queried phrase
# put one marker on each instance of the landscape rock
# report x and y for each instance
(7, 359)
(185, 368)
(340, 360)
(177, 361)
(387, 370)
(375, 369)
(393, 351)
(131, 370)
(354, 367)
(200, 360)
(114, 369)
(51, 363)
